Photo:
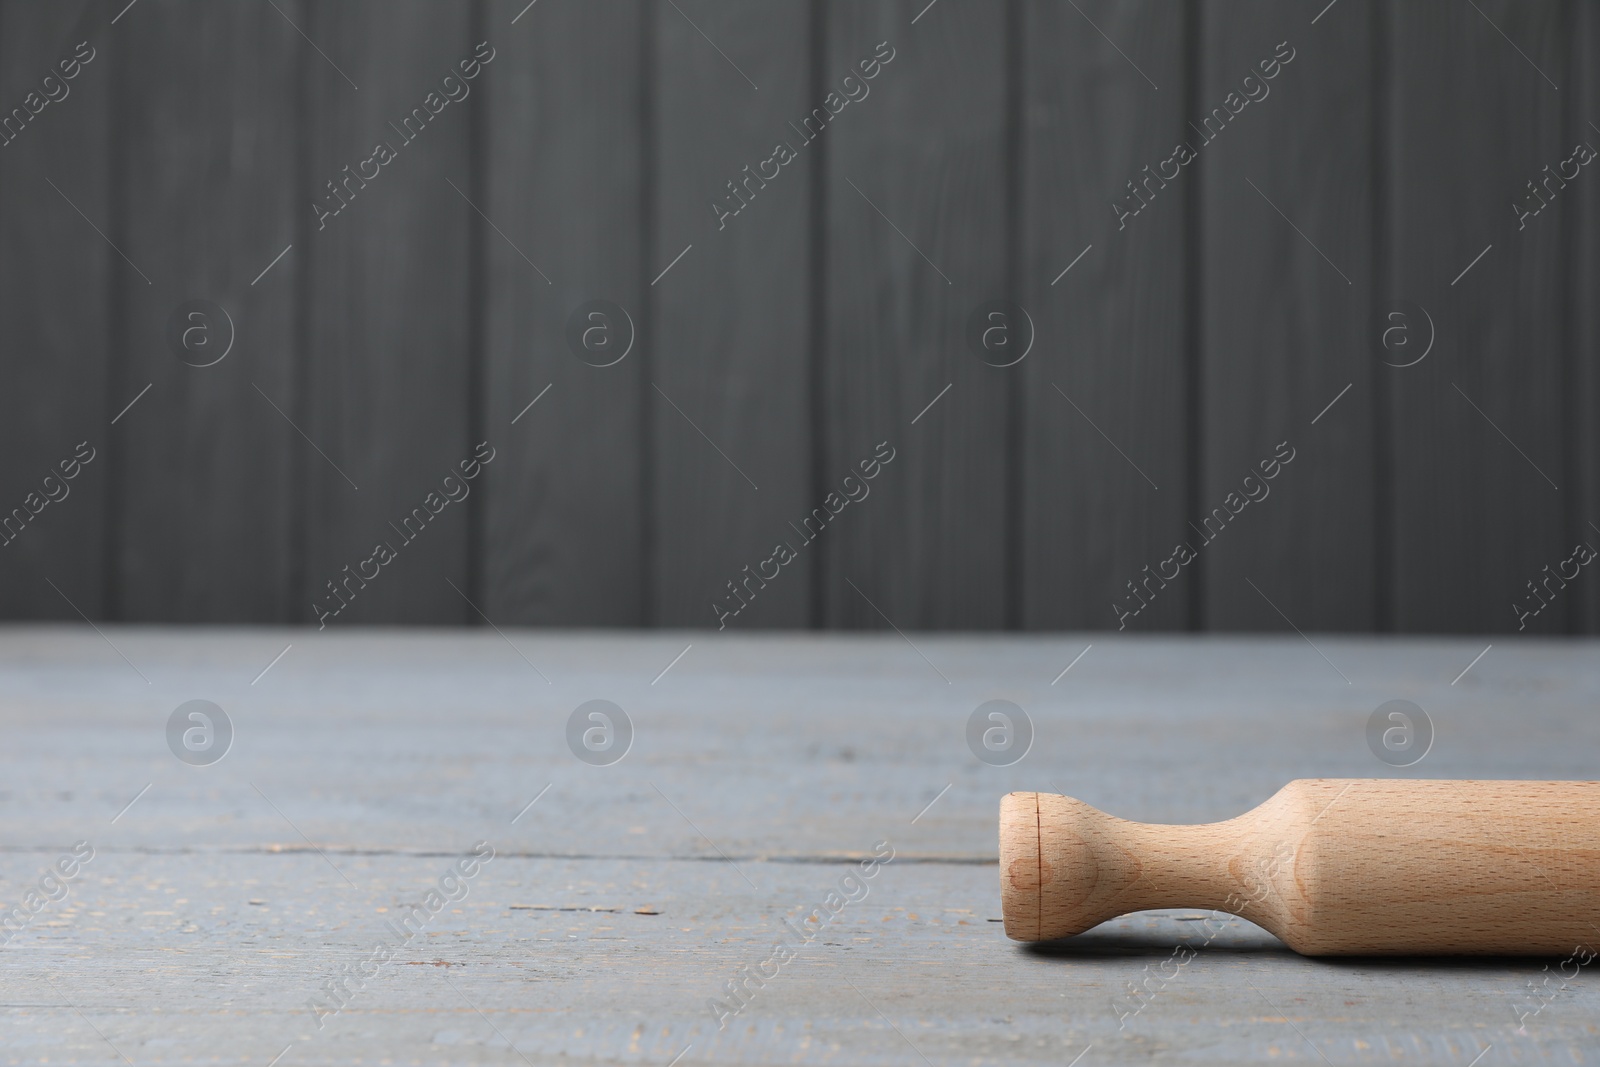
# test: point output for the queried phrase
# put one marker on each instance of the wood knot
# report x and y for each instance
(1029, 873)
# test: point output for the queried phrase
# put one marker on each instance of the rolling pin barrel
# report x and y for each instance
(1330, 866)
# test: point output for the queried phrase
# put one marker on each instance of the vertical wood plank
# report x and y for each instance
(207, 204)
(54, 310)
(389, 382)
(565, 185)
(1584, 395)
(1477, 427)
(1286, 285)
(1106, 403)
(727, 411)
(917, 200)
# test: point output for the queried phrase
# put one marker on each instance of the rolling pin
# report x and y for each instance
(1331, 866)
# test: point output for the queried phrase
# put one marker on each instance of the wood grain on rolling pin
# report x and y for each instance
(1331, 866)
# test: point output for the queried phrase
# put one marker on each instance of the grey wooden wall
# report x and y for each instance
(1174, 348)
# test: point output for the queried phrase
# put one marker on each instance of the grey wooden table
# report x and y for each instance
(223, 901)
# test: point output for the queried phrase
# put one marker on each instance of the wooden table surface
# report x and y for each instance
(218, 907)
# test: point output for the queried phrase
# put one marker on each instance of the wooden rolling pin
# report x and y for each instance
(1332, 866)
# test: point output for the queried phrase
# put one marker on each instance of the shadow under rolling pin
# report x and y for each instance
(1331, 866)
